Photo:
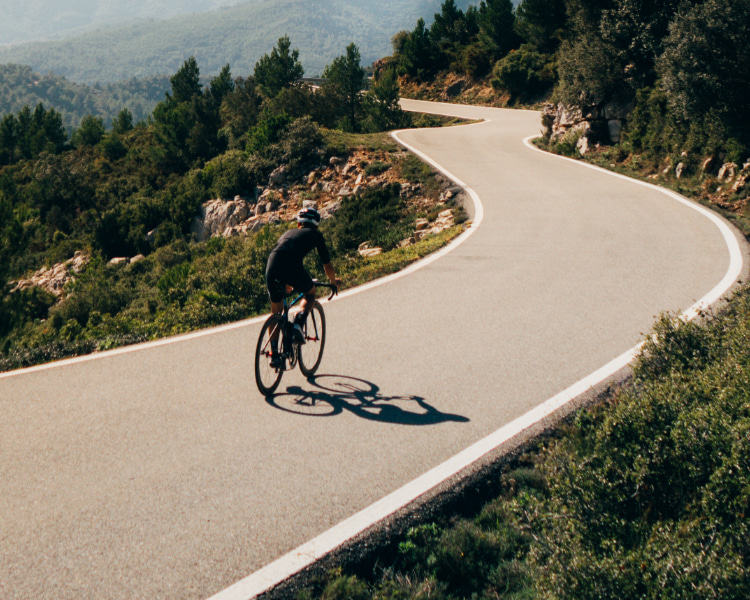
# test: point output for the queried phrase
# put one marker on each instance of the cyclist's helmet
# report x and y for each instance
(309, 216)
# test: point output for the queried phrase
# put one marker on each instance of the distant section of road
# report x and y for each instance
(160, 473)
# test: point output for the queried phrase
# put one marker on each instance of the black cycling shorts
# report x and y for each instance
(280, 272)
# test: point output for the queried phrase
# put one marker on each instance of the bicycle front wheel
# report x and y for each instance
(311, 352)
(267, 377)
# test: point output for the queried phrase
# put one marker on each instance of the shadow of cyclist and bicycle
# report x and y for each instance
(331, 395)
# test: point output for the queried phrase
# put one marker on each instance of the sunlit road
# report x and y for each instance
(161, 473)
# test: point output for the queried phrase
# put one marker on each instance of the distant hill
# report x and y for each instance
(238, 35)
(36, 20)
(20, 86)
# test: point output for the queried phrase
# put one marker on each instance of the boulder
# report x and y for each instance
(727, 172)
(278, 176)
(217, 215)
(614, 127)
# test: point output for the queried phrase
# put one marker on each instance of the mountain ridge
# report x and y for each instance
(229, 35)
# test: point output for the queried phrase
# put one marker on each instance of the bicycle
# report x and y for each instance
(279, 328)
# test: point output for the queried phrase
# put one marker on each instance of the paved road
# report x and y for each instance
(161, 473)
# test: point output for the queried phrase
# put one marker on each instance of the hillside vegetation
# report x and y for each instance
(20, 87)
(646, 495)
(658, 89)
(133, 192)
(237, 35)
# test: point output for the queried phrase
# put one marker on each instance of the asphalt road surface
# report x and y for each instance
(162, 473)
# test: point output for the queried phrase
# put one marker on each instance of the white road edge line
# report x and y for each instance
(419, 264)
(305, 555)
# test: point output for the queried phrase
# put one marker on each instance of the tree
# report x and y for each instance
(123, 122)
(346, 78)
(8, 139)
(278, 70)
(416, 58)
(90, 132)
(222, 85)
(541, 23)
(382, 102)
(496, 21)
(705, 66)
(186, 82)
(239, 111)
(524, 73)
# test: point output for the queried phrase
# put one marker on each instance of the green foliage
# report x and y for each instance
(706, 63)
(31, 133)
(278, 70)
(541, 23)
(645, 496)
(381, 104)
(20, 86)
(496, 22)
(373, 216)
(525, 73)
(416, 56)
(90, 132)
(345, 81)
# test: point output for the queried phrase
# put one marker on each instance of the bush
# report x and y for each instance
(371, 216)
(525, 73)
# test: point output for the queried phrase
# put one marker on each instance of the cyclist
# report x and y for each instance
(285, 271)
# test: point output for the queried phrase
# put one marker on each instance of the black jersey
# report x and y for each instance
(295, 244)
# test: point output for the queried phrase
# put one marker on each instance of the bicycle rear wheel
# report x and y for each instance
(311, 352)
(267, 377)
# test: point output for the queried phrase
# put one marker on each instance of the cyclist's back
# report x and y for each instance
(295, 244)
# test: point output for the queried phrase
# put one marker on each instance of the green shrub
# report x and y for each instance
(525, 73)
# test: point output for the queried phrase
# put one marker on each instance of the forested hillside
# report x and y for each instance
(236, 35)
(646, 495)
(660, 88)
(20, 87)
(47, 19)
(70, 204)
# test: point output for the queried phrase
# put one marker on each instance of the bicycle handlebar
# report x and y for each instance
(334, 288)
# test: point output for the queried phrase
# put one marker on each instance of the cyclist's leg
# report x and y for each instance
(276, 285)
(302, 282)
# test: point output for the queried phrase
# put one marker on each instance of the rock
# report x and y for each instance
(344, 191)
(365, 250)
(679, 170)
(278, 176)
(217, 215)
(455, 88)
(120, 260)
(707, 164)
(727, 172)
(422, 224)
(615, 130)
(56, 277)
(582, 145)
(137, 258)
(260, 209)
(336, 160)
(405, 243)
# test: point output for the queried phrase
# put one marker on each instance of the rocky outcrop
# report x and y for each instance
(55, 278)
(326, 187)
(588, 126)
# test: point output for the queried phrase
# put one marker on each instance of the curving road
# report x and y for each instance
(159, 472)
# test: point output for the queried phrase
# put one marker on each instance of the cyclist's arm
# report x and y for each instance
(331, 273)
